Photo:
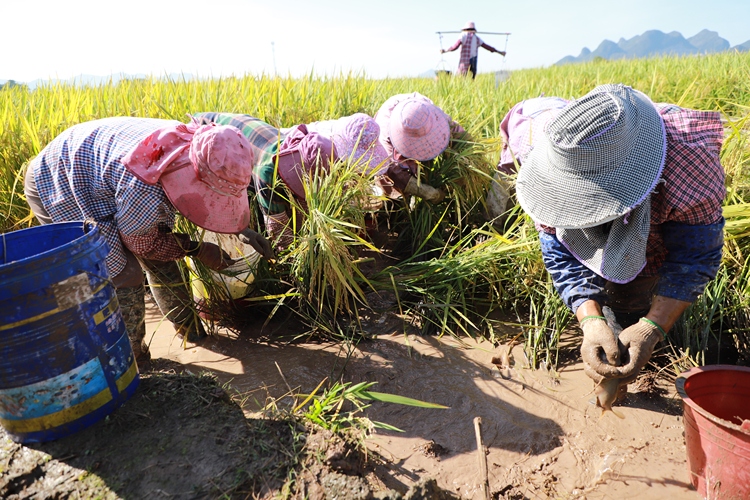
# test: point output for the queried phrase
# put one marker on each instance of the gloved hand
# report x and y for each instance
(424, 191)
(258, 242)
(638, 341)
(600, 350)
(212, 256)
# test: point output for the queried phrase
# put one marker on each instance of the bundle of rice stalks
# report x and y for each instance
(323, 262)
(456, 292)
(464, 172)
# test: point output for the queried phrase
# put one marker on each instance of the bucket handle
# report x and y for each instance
(105, 279)
(88, 225)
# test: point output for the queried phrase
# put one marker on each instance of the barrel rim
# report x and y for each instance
(47, 227)
(687, 400)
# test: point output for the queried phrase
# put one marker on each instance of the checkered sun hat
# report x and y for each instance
(596, 161)
(591, 174)
(419, 130)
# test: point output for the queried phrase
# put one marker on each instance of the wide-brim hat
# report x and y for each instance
(469, 26)
(524, 123)
(211, 192)
(615, 251)
(418, 129)
(598, 159)
(355, 139)
(308, 154)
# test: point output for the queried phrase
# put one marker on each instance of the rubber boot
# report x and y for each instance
(132, 302)
(174, 299)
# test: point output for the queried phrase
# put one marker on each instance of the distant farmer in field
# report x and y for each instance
(413, 129)
(131, 176)
(520, 126)
(627, 196)
(469, 43)
(288, 155)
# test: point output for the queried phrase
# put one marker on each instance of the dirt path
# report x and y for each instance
(543, 437)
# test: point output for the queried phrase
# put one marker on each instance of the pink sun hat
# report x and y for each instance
(522, 125)
(203, 169)
(418, 129)
(301, 153)
(355, 138)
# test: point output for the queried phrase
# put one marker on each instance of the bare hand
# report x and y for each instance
(213, 257)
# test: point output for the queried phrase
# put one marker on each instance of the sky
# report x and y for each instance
(56, 39)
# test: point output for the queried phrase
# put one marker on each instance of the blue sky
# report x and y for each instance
(64, 38)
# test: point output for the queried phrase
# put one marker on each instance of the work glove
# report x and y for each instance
(638, 342)
(424, 191)
(600, 350)
(258, 242)
(212, 256)
(280, 230)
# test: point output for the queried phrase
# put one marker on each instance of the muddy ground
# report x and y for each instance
(193, 429)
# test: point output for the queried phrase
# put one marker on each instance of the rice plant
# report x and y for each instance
(454, 271)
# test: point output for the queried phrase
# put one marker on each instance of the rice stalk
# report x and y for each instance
(324, 260)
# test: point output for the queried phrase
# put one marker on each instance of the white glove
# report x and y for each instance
(258, 242)
(424, 191)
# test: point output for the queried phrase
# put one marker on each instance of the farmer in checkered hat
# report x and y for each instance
(413, 129)
(627, 196)
(469, 43)
(131, 176)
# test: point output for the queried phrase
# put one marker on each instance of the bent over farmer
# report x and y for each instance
(289, 155)
(412, 130)
(627, 196)
(469, 43)
(131, 176)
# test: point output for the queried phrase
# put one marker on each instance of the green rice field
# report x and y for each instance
(455, 274)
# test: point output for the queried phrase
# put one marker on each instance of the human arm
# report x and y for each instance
(491, 49)
(279, 228)
(582, 291)
(452, 47)
(158, 242)
(574, 282)
(687, 207)
(693, 259)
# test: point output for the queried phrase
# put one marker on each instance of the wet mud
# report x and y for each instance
(543, 433)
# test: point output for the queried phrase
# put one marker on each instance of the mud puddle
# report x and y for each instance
(543, 437)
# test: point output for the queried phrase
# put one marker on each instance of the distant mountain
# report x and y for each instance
(656, 43)
(93, 80)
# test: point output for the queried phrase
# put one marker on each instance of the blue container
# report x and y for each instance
(65, 356)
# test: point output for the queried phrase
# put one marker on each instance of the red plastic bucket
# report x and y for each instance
(716, 414)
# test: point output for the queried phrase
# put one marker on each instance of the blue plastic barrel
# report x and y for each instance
(65, 356)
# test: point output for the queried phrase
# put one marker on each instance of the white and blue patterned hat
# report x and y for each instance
(595, 163)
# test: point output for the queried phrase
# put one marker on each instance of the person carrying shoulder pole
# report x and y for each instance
(469, 43)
